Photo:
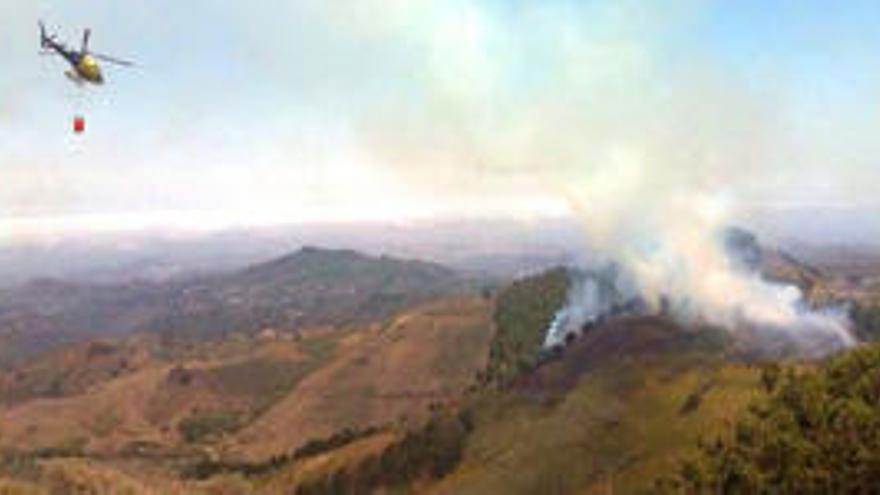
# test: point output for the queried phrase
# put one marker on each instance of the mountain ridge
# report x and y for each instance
(310, 286)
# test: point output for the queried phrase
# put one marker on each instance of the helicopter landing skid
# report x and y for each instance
(73, 76)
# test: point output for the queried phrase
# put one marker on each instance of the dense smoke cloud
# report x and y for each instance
(652, 156)
(399, 109)
(771, 317)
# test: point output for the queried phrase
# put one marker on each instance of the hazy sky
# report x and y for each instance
(277, 111)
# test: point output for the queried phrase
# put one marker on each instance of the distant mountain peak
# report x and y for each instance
(310, 286)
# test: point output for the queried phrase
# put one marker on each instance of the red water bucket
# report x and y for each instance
(79, 124)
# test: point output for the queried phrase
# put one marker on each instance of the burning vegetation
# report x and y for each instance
(764, 314)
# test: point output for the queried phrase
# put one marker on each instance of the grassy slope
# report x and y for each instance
(372, 375)
(378, 376)
(625, 424)
(147, 404)
(429, 353)
(618, 409)
(318, 467)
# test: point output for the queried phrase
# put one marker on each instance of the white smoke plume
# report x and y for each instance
(651, 143)
(733, 294)
(671, 246)
(593, 295)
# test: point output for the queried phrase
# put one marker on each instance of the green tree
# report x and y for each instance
(816, 431)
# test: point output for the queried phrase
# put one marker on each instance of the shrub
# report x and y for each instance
(523, 312)
(428, 453)
(816, 431)
(866, 320)
(199, 427)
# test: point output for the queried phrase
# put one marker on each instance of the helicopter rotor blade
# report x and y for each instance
(87, 33)
(112, 60)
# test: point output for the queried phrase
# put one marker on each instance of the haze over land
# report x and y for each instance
(309, 112)
(646, 127)
(425, 247)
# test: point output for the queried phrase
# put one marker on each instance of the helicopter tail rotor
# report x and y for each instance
(44, 40)
(47, 41)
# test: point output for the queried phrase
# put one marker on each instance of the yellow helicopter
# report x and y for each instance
(84, 64)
